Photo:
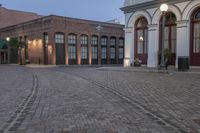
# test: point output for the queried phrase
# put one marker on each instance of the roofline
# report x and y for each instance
(147, 5)
(77, 19)
(22, 11)
(29, 21)
(87, 20)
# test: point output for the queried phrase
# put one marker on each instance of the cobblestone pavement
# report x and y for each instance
(88, 100)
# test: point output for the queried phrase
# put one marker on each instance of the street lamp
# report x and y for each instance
(7, 42)
(164, 9)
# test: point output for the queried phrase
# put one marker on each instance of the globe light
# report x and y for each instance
(7, 39)
(141, 38)
(164, 7)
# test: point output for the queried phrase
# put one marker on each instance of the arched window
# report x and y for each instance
(104, 44)
(113, 50)
(94, 49)
(141, 39)
(84, 49)
(170, 36)
(195, 38)
(72, 52)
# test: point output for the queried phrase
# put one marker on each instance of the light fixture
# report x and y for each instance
(141, 38)
(7, 39)
(164, 7)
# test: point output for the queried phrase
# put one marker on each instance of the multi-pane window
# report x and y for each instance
(196, 32)
(59, 38)
(72, 39)
(104, 41)
(94, 40)
(84, 53)
(121, 53)
(72, 52)
(112, 41)
(84, 39)
(72, 46)
(112, 53)
(121, 49)
(94, 52)
(103, 53)
(121, 42)
(112, 48)
(84, 47)
(196, 38)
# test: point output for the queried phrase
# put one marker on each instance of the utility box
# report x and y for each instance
(183, 63)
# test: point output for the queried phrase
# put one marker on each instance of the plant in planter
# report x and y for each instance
(167, 56)
(137, 62)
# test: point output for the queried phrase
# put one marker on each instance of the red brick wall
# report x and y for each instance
(11, 17)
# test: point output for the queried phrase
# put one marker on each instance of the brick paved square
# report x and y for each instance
(90, 100)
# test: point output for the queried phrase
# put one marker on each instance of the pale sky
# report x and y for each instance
(99, 10)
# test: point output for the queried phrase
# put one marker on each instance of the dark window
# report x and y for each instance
(84, 47)
(121, 49)
(94, 52)
(72, 46)
(103, 53)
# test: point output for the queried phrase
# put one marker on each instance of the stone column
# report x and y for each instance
(153, 47)
(183, 40)
(129, 46)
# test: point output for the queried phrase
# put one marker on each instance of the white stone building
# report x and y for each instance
(143, 31)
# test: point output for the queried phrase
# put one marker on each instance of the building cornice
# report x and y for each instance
(150, 4)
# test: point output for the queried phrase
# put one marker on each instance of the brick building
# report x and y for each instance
(62, 40)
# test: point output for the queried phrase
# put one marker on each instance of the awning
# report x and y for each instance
(3, 44)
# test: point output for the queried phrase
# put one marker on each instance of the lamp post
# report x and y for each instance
(164, 9)
(7, 41)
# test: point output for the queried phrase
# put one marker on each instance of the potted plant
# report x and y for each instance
(137, 62)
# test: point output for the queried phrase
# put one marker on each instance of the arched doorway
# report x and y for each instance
(170, 36)
(195, 39)
(141, 39)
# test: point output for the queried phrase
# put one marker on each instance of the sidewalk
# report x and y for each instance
(193, 70)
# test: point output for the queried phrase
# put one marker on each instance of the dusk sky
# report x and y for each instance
(100, 10)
